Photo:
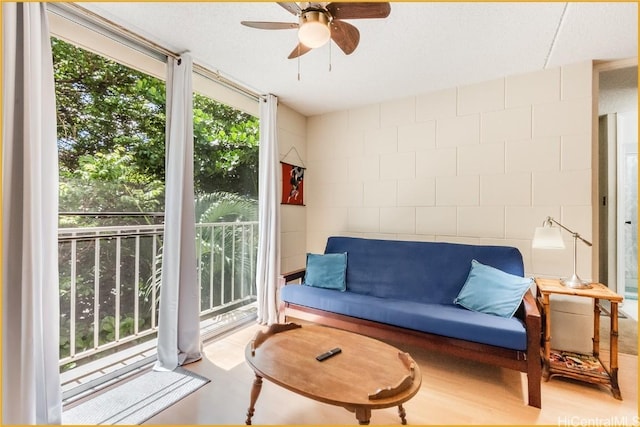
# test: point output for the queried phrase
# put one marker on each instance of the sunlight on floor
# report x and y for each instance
(227, 351)
(454, 391)
(630, 308)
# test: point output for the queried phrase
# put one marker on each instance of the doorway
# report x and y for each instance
(627, 124)
(618, 179)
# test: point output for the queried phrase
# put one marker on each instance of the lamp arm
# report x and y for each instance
(576, 235)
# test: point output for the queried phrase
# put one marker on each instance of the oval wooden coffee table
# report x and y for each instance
(367, 374)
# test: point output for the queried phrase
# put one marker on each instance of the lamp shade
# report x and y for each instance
(314, 29)
(547, 237)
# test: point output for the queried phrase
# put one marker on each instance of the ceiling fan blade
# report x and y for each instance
(292, 7)
(270, 25)
(299, 51)
(345, 35)
(359, 10)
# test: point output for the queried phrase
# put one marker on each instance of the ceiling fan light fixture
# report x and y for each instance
(314, 29)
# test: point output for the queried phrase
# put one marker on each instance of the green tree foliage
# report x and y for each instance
(225, 149)
(111, 129)
(226, 246)
(102, 105)
(227, 253)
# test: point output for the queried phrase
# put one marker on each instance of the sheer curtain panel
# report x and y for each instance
(178, 321)
(268, 263)
(30, 314)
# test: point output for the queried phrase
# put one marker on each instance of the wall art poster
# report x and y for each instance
(292, 184)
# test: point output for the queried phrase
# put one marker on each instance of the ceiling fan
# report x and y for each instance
(319, 22)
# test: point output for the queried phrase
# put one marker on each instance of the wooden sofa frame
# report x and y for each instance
(528, 361)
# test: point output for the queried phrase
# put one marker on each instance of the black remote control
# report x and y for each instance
(328, 354)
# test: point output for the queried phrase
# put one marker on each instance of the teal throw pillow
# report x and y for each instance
(492, 291)
(327, 271)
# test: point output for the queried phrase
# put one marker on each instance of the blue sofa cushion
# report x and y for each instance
(492, 291)
(326, 271)
(441, 319)
(429, 272)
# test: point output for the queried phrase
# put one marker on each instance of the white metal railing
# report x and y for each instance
(109, 281)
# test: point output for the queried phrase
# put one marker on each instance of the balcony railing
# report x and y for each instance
(110, 279)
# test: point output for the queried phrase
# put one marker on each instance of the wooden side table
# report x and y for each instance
(584, 367)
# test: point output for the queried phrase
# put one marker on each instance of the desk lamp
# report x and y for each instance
(549, 237)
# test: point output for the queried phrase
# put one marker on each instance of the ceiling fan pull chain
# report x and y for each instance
(298, 64)
(329, 55)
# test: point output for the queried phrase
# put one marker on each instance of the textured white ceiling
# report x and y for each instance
(419, 48)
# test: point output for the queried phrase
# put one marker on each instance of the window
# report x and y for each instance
(226, 187)
(111, 137)
(111, 143)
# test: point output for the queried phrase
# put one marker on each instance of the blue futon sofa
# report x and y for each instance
(411, 292)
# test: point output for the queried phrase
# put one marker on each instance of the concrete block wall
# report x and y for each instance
(483, 163)
(292, 147)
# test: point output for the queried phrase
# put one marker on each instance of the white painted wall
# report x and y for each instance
(292, 146)
(484, 164)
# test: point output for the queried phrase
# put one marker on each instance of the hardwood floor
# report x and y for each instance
(454, 391)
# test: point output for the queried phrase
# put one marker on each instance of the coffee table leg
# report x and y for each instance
(403, 414)
(363, 415)
(255, 392)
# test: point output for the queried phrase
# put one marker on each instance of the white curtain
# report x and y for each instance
(178, 323)
(268, 263)
(30, 314)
